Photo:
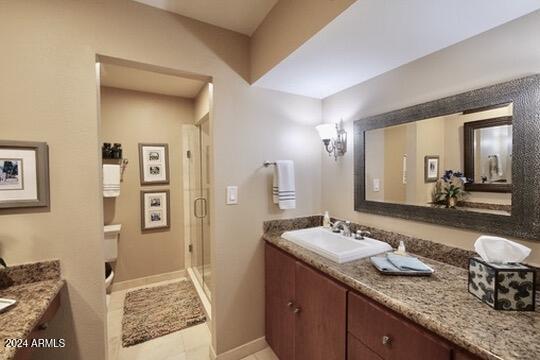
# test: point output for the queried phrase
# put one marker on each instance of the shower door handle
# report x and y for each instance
(195, 207)
(205, 207)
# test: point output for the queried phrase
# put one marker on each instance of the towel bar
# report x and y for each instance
(123, 166)
(268, 163)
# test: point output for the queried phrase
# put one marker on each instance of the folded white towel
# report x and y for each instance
(284, 191)
(111, 180)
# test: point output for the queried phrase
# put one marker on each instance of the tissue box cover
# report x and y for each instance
(503, 286)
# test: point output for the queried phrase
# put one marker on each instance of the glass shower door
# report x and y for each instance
(195, 196)
(199, 188)
(204, 132)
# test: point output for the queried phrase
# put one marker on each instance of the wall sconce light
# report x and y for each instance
(334, 138)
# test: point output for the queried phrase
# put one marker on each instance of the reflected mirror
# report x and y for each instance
(488, 154)
(461, 161)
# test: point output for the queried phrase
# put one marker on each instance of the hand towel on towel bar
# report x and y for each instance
(284, 192)
(111, 180)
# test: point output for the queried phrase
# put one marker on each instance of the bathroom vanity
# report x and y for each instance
(319, 309)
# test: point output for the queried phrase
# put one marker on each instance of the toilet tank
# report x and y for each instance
(111, 235)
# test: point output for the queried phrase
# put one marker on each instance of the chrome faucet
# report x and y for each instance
(342, 226)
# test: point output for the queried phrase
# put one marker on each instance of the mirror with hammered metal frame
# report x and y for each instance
(467, 160)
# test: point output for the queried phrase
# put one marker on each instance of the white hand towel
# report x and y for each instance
(111, 180)
(284, 191)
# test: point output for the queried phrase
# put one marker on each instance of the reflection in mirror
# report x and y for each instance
(493, 154)
(488, 154)
(460, 161)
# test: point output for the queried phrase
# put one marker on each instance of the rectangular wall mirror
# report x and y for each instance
(468, 160)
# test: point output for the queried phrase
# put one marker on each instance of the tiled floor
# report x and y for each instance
(189, 344)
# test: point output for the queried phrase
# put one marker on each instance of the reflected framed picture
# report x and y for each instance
(24, 174)
(155, 210)
(431, 168)
(154, 164)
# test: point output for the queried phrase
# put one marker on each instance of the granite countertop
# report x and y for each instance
(34, 286)
(440, 303)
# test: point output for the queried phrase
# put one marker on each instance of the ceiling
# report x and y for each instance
(123, 77)
(374, 36)
(243, 16)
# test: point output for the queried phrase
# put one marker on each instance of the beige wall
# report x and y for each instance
(501, 54)
(410, 135)
(453, 143)
(429, 141)
(130, 118)
(48, 93)
(202, 102)
(375, 144)
(395, 146)
(268, 125)
(416, 140)
(287, 26)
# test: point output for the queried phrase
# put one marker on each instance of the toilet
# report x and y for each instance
(111, 233)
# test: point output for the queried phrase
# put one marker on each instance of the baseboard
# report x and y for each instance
(147, 280)
(213, 355)
(202, 296)
(241, 351)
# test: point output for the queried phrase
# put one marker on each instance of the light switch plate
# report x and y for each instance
(376, 185)
(232, 195)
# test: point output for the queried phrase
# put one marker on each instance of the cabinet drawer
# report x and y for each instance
(390, 336)
(358, 351)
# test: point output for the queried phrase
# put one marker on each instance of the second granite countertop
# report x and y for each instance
(34, 286)
(440, 303)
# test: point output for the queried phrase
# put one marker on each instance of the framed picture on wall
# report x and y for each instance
(154, 164)
(155, 210)
(24, 174)
(431, 168)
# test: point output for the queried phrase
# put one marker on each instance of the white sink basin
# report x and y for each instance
(334, 246)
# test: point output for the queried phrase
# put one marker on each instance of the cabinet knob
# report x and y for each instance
(386, 340)
(290, 304)
(297, 310)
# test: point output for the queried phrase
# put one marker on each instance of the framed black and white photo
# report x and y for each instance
(24, 174)
(154, 164)
(431, 168)
(155, 210)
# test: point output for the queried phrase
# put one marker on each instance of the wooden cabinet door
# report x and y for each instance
(279, 289)
(320, 323)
